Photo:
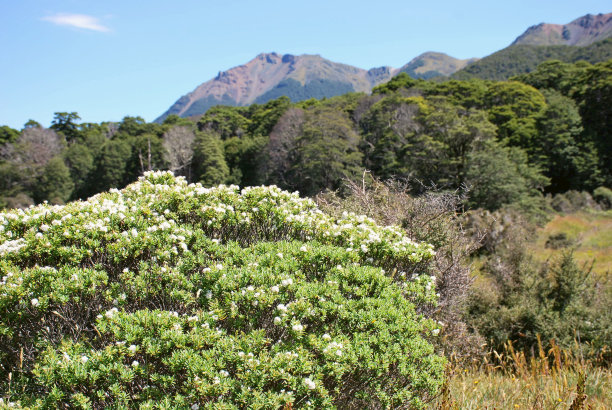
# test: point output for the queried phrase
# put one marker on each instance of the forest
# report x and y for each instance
(473, 167)
(508, 142)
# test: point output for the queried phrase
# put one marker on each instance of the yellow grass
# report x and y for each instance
(590, 234)
(553, 379)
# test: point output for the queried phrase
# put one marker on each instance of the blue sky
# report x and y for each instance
(108, 59)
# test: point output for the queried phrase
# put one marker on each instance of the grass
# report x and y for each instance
(553, 379)
(589, 234)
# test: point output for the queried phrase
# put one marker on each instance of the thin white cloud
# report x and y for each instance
(77, 20)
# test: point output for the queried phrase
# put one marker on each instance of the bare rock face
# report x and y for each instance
(583, 31)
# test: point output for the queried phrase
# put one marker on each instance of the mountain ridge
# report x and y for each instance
(270, 75)
(583, 31)
(299, 77)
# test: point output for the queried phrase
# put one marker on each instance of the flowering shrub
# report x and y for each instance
(168, 294)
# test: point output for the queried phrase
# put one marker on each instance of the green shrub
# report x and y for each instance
(573, 201)
(558, 241)
(166, 294)
(603, 196)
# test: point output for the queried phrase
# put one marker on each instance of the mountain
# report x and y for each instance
(583, 31)
(587, 38)
(524, 58)
(270, 75)
(432, 64)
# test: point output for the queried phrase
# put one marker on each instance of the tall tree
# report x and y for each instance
(326, 152)
(178, 149)
(54, 183)
(209, 163)
(65, 123)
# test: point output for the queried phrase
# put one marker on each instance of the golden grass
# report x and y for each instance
(553, 379)
(590, 234)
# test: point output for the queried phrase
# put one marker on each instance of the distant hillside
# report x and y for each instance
(432, 64)
(270, 75)
(522, 58)
(583, 31)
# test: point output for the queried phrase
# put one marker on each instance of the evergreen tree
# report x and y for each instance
(209, 163)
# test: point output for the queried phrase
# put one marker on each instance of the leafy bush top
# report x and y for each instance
(168, 294)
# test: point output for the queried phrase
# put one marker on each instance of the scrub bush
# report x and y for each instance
(171, 295)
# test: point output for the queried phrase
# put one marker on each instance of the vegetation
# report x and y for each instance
(509, 181)
(509, 142)
(178, 295)
(522, 58)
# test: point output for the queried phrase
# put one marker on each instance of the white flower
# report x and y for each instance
(35, 302)
(275, 289)
(44, 227)
(110, 313)
(133, 348)
(338, 352)
(298, 327)
(209, 294)
(309, 383)
(435, 332)
(195, 407)
(277, 320)
(224, 373)
(135, 363)
(84, 359)
(282, 307)
(326, 337)
(216, 380)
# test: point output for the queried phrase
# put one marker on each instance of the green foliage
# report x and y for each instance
(169, 294)
(209, 164)
(54, 184)
(556, 302)
(554, 75)
(603, 195)
(561, 152)
(296, 91)
(80, 161)
(402, 80)
(594, 98)
(521, 59)
(8, 135)
(499, 175)
(326, 151)
(65, 124)
(109, 166)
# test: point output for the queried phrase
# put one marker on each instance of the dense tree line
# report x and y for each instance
(508, 142)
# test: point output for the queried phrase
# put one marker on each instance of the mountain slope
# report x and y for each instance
(523, 58)
(270, 75)
(583, 31)
(432, 64)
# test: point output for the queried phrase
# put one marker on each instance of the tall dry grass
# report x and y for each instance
(551, 378)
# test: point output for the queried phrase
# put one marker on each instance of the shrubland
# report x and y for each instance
(169, 294)
(149, 292)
